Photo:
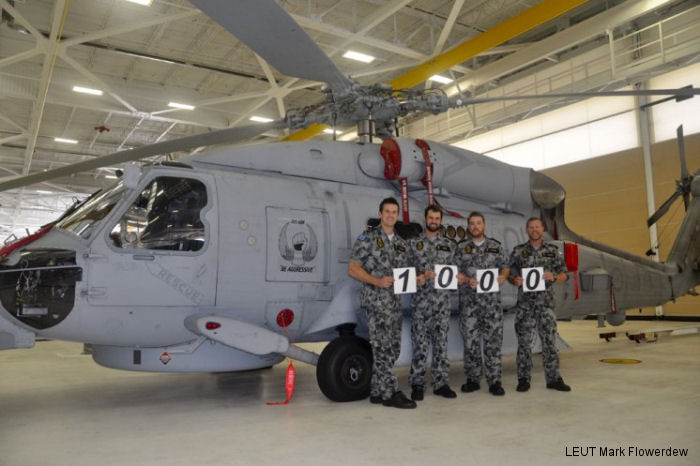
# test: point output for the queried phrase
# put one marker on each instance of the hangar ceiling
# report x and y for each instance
(144, 57)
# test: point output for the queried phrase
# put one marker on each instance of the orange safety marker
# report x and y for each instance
(288, 385)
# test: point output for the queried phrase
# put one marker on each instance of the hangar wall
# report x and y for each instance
(606, 202)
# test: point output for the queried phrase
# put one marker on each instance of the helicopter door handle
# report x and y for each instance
(144, 257)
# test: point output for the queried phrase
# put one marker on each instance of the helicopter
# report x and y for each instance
(230, 257)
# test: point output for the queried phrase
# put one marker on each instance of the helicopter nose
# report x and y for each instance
(39, 289)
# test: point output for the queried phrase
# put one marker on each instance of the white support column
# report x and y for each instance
(644, 123)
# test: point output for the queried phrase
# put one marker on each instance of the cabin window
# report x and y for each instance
(83, 220)
(165, 216)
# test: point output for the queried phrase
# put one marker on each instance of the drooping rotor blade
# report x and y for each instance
(228, 135)
(684, 166)
(460, 101)
(663, 209)
(681, 152)
(270, 32)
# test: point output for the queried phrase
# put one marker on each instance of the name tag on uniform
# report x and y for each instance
(445, 277)
(533, 279)
(404, 280)
(487, 281)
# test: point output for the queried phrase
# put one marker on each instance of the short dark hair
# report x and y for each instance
(432, 208)
(532, 219)
(476, 214)
(388, 200)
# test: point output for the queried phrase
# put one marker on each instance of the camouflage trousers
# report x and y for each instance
(529, 318)
(430, 322)
(481, 325)
(384, 323)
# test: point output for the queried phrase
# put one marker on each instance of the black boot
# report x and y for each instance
(445, 391)
(399, 400)
(417, 393)
(496, 389)
(523, 385)
(470, 386)
(559, 385)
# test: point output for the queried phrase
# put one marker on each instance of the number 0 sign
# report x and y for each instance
(404, 280)
(488, 280)
(445, 277)
(533, 280)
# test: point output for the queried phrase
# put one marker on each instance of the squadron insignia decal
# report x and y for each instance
(298, 245)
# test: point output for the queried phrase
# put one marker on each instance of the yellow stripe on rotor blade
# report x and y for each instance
(513, 27)
(306, 133)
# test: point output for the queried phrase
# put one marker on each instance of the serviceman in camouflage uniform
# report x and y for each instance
(375, 254)
(430, 316)
(535, 310)
(481, 314)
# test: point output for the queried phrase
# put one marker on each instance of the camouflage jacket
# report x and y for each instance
(379, 256)
(546, 256)
(470, 258)
(429, 252)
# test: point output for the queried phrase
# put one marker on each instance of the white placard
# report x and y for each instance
(445, 277)
(487, 281)
(405, 280)
(533, 279)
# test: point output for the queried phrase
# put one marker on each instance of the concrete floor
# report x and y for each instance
(57, 407)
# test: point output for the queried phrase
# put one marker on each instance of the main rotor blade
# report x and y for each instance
(681, 153)
(663, 209)
(228, 135)
(271, 33)
(681, 92)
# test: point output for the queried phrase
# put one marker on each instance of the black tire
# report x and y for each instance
(344, 369)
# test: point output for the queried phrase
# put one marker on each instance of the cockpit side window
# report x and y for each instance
(165, 216)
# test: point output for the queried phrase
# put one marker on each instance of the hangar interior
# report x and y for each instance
(80, 79)
(121, 72)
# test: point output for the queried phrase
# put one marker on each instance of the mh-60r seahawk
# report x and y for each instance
(227, 259)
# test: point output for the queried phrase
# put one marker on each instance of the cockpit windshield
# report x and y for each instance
(82, 222)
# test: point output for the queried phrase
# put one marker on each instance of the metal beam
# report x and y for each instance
(60, 13)
(127, 27)
(449, 24)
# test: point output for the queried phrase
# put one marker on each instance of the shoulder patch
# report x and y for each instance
(525, 253)
(380, 243)
(419, 245)
(362, 237)
(468, 249)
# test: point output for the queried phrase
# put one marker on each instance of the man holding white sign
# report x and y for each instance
(375, 255)
(430, 315)
(534, 267)
(483, 268)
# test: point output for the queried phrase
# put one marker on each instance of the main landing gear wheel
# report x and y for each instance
(344, 369)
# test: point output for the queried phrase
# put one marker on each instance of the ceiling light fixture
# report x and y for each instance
(87, 90)
(330, 131)
(364, 58)
(180, 106)
(439, 79)
(67, 141)
(141, 2)
(260, 119)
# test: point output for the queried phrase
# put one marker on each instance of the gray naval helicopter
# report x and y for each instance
(227, 259)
